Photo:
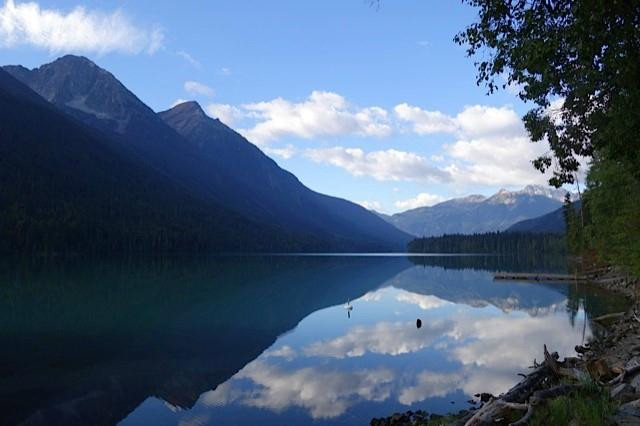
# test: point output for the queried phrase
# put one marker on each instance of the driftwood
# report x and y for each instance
(522, 391)
(561, 371)
(620, 378)
(604, 318)
(499, 409)
(597, 271)
(495, 409)
(526, 395)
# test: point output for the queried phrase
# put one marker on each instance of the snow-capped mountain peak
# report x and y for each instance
(546, 191)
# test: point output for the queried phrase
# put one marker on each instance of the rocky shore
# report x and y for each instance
(603, 381)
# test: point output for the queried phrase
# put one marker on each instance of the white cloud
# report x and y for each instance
(421, 200)
(372, 296)
(325, 393)
(370, 205)
(190, 59)
(490, 350)
(198, 88)
(430, 384)
(485, 121)
(492, 149)
(382, 338)
(425, 302)
(76, 30)
(496, 161)
(322, 114)
(225, 72)
(228, 114)
(285, 351)
(497, 346)
(476, 120)
(389, 165)
(425, 122)
(491, 146)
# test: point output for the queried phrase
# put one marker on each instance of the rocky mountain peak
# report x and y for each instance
(189, 119)
(79, 85)
(503, 196)
(74, 60)
(545, 191)
(474, 198)
(189, 109)
(469, 199)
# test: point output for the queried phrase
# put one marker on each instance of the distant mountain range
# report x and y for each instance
(93, 167)
(478, 214)
(550, 223)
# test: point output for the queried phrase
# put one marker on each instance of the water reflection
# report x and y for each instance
(390, 362)
(266, 339)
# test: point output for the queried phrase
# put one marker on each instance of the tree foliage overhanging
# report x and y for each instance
(609, 227)
(579, 63)
(586, 53)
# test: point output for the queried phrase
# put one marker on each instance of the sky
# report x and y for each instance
(372, 103)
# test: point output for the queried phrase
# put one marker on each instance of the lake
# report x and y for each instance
(273, 339)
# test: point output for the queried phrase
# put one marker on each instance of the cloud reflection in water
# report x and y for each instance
(324, 392)
(484, 347)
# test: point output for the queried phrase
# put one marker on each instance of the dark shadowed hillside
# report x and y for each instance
(205, 158)
(277, 194)
(63, 187)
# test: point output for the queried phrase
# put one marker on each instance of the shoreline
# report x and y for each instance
(608, 367)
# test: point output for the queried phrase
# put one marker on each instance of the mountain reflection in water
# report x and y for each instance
(235, 340)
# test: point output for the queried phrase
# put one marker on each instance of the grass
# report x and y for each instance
(590, 407)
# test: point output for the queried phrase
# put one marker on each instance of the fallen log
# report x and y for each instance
(522, 391)
(499, 409)
(560, 370)
(597, 271)
(495, 409)
(526, 395)
(620, 378)
(604, 318)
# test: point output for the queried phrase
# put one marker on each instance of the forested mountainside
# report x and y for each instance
(492, 243)
(63, 187)
(205, 158)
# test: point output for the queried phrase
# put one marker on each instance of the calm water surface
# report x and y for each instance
(272, 340)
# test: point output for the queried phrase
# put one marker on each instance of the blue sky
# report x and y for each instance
(373, 104)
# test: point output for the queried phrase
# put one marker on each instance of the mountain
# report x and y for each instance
(282, 198)
(65, 187)
(83, 89)
(205, 158)
(92, 95)
(477, 214)
(552, 223)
